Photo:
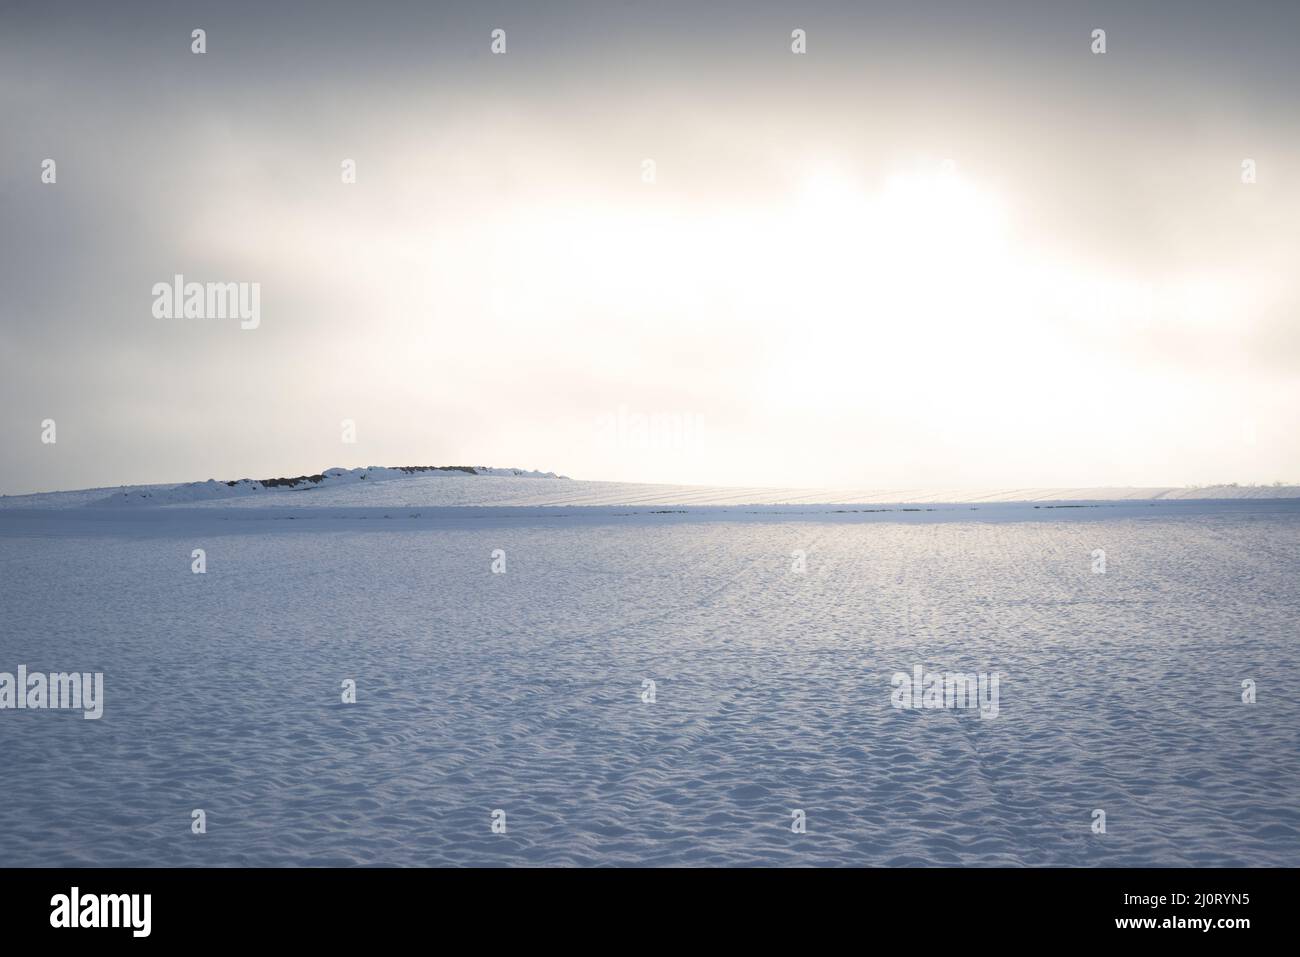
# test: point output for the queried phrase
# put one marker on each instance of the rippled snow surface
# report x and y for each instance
(521, 691)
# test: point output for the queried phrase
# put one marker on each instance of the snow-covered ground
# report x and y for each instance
(522, 691)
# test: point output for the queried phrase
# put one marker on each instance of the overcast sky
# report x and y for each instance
(949, 245)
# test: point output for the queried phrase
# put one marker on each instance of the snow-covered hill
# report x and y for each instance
(276, 489)
(458, 486)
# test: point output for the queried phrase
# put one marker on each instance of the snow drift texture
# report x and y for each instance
(522, 691)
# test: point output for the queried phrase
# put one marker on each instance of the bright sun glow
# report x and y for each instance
(909, 250)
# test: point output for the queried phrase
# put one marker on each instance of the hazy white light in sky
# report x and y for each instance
(1023, 265)
(901, 330)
